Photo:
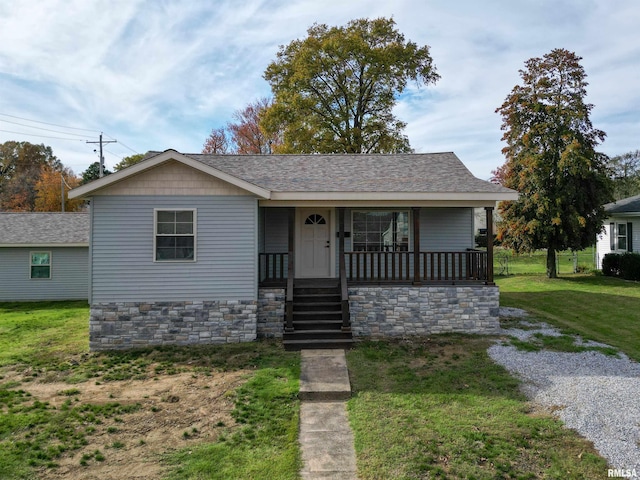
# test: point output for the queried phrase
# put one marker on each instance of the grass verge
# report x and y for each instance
(47, 342)
(598, 308)
(440, 408)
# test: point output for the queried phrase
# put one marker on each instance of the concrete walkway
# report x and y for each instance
(325, 436)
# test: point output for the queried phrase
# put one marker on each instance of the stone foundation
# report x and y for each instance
(120, 326)
(379, 312)
(271, 303)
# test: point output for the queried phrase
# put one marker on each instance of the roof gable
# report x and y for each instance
(37, 229)
(152, 162)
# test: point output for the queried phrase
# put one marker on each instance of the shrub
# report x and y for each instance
(630, 266)
(625, 266)
(611, 264)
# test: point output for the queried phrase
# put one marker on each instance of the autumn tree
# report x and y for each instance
(50, 188)
(335, 90)
(20, 167)
(551, 159)
(625, 173)
(128, 161)
(247, 134)
(93, 173)
(217, 142)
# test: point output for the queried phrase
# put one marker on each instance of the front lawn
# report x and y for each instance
(599, 308)
(228, 411)
(440, 408)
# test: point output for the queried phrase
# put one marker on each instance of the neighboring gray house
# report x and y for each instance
(192, 248)
(44, 256)
(621, 229)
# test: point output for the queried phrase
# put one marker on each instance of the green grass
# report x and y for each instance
(440, 408)
(40, 333)
(596, 307)
(266, 444)
(49, 341)
(508, 263)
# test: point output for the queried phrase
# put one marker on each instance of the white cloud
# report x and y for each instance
(161, 75)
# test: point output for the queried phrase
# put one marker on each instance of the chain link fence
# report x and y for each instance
(508, 263)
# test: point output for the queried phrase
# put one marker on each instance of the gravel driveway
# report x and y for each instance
(598, 395)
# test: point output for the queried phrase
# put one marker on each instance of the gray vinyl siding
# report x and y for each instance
(69, 274)
(123, 267)
(446, 229)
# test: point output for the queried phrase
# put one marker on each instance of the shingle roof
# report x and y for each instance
(44, 229)
(625, 205)
(425, 172)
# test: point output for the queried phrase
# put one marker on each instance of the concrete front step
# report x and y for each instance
(318, 344)
(324, 375)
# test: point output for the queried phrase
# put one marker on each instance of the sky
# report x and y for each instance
(159, 74)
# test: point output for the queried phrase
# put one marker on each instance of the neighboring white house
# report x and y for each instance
(44, 256)
(621, 228)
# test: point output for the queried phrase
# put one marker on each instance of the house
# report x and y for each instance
(621, 231)
(193, 248)
(44, 256)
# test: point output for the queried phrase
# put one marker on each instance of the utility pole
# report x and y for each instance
(101, 156)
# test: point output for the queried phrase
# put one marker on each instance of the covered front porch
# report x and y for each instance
(376, 271)
(310, 243)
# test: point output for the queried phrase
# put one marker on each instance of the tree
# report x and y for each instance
(127, 161)
(551, 160)
(20, 167)
(93, 173)
(335, 90)
(50, 188)
(248, 135)
(217, 142)
(625, 173)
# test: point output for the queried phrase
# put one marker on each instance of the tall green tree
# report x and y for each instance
(551, 159)
(21, 164)
(93, 173)
(128, 161)
(334, 91)
(625, 173)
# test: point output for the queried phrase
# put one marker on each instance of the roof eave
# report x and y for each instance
(104, 182)
(387, 196)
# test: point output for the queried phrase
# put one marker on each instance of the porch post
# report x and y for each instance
(344, 291)
(290, 271)
(417, 280)
(489, 212)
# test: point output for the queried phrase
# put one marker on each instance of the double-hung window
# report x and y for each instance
(621, 236)
(380, 231)
(40, 265)
(175, 235)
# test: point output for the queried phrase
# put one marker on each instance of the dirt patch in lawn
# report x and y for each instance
(173, 412)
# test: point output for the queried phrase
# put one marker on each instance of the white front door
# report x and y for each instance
(313, 255)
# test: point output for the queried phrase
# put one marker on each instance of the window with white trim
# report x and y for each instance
(380, 231)
(175, 235)
(620, 235)
(40, 265)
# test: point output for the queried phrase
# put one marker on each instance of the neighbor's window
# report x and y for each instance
(175, 235)
(622, 236)
(40, 264)
(380, 231)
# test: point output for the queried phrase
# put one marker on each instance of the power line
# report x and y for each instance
(101, 141)
(46, 123)
(45, 129)
(42, 136)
